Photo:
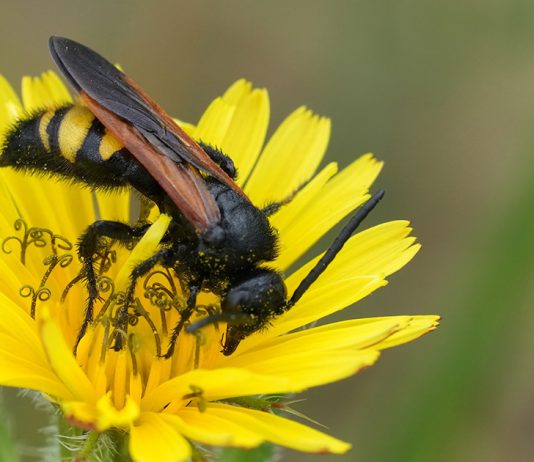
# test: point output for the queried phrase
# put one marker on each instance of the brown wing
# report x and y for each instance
(189, 148)
(153, 138)
(183, 184)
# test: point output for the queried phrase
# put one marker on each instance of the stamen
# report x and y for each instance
(140, 311)
(105, 284)
(162, 288)
(133, 347)
(43, 293)
(200, 340)
(70, 285)
(197, 394)
(39, 237)
(107, 258)
(105, 341)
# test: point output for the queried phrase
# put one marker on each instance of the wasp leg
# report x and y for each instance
(194, 289)
(220, 158)
(87, 247)
(163, 255)
(273, 207)
(229, 317)
(233, 335)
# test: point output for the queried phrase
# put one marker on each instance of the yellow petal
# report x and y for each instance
(7, 94)
(114, 205)
(353, 334)
(375, 253)
(308, 369)
(17, 323)
(15, 372)
(215, 384)
(109, 416)
(212, 126)
(290, 212)
(290, 157)
(59, 93)
(279, 430)
(416, 327)
(145, 248)
(46, 91)
(342, 194)
(152, 439)
(246, 132)
(63, 362)
(80, 414)
(32, 197)
(236, 123)
(325, 298)
(10, 107)
(237, 91)
(209, 429)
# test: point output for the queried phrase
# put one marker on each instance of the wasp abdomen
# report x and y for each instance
(69, 141)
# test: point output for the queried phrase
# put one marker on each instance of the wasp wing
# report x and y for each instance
(103, 86)
(184, 185)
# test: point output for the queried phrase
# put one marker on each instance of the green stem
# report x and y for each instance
(120, 444)
(88, 448)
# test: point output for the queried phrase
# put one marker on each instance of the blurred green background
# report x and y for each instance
(443, 91)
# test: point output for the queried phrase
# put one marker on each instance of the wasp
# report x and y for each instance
(116, 136)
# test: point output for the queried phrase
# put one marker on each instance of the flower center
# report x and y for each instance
(153, 312)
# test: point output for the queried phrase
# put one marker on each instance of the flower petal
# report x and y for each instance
(214, 384)
(21, 327)
(353, 334)
(416, 327)
(323, 299)
(114, 205)
(290, 212)
(153, 439)
(246, 132)
(279, 430)
(62, 361)
(80, 414)
(308, 369)
(109, 416)
(145, 248)
(214, 123)
(15, 372)
(342, 194)
(376, 252)
(10, 107)
(46, 91)
(290, 158)
(237, 123)
(210, 429)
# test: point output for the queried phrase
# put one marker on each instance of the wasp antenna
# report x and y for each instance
(334, 249)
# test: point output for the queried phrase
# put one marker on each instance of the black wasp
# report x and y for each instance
(117, 136)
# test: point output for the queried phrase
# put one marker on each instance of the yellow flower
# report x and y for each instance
(166, 404)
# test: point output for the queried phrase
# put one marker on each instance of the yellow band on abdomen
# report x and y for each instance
(43, 124)
(109, 145)
(73, 130)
